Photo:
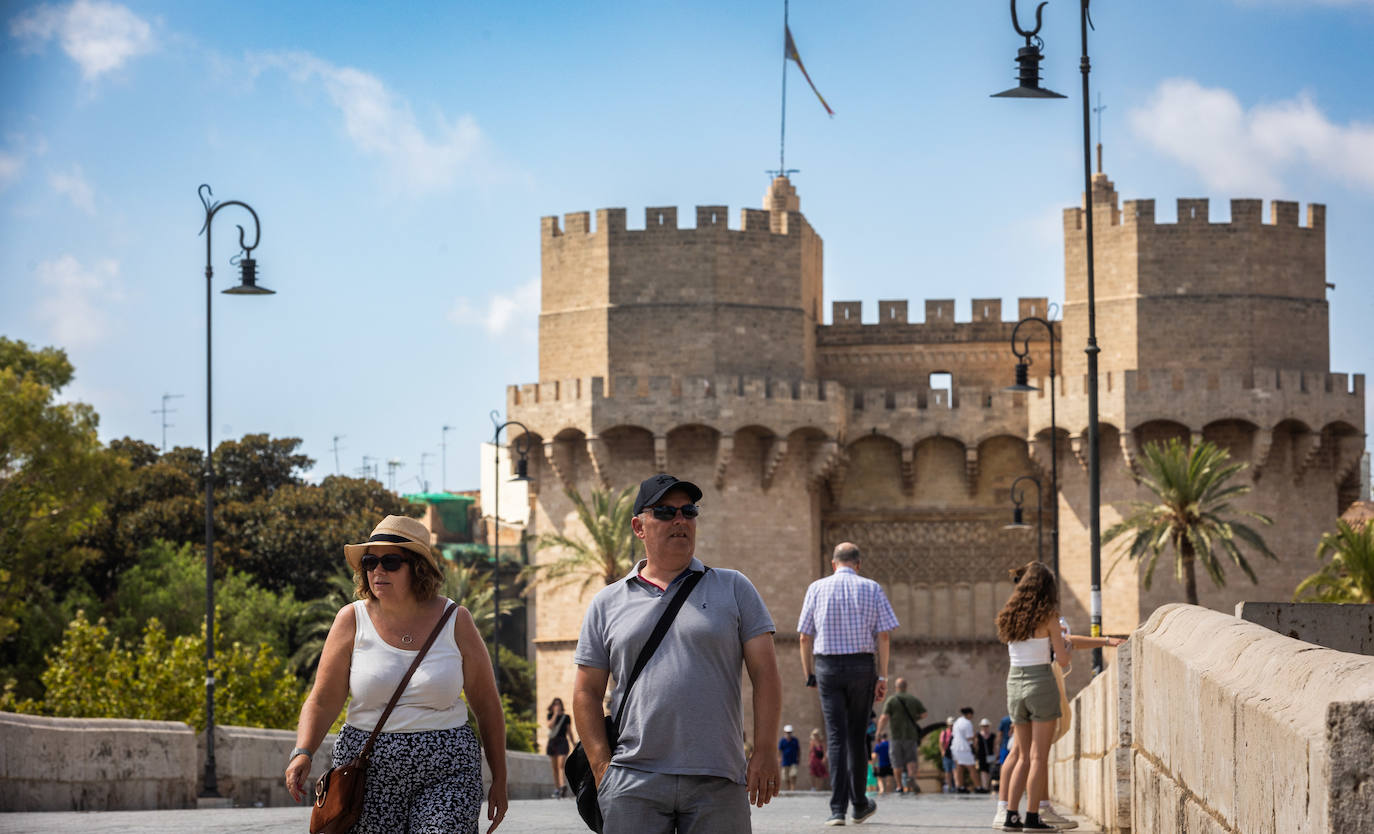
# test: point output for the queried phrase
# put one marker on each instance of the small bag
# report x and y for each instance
(1065, 708)
(576, 767)
(339, 792)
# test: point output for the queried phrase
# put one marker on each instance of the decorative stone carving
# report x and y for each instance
(1078, 444)
(1264, 444)
(1130, 453)
(600, 456)
(934, 552)
(823, 462)
(777, 450)
(725, 449)
(942, 663)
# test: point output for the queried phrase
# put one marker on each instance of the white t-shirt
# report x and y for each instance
(431, 700)
(962, 745)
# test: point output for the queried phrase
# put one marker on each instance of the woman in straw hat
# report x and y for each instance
(425, 772)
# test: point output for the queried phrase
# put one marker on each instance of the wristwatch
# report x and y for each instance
(299, 751)
(881, 678)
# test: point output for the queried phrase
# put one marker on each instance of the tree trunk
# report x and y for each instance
(1189, 576)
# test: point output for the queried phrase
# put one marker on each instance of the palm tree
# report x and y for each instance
(608, 551)
(1191, 515)
(1349, 576)
(316, 617)
(474, 590)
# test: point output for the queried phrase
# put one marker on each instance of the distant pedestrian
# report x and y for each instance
(847, 622)
(559, 724)
(882, 764)
(947, 755)
(789, 757)
(815, 762)
(961, 748)
(901, 718)
(985, 753)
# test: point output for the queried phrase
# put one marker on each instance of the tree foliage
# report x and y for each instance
(1349, 575)
(606, 553)
(94, 674)
(1192, 515)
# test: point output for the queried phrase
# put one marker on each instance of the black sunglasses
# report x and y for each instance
(390, 562)
(663, 512)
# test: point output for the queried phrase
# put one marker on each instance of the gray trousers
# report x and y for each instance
(639, 802)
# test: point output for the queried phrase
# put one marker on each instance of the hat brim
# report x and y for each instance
(354, 552)
(693, 492)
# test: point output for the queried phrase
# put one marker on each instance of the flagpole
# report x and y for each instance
(782, 138)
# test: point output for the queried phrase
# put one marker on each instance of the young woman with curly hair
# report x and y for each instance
(1029, 625)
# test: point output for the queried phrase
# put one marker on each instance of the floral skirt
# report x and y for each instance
(418, 783)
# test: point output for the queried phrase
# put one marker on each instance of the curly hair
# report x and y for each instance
(425, 580)
(1033, 601)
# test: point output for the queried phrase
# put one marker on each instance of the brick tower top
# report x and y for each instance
(697, 301)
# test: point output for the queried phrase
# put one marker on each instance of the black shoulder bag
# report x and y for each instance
(576, 768)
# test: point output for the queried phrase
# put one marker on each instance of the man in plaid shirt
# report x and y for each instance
(844, 627)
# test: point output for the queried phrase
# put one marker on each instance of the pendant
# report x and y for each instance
(405, 638)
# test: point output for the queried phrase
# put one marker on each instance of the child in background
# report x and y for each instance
(882, 764)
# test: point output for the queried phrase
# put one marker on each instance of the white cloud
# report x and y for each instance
(515, 313)
(74, 187)
(1233, 149)
(381, 124)
(76, 299)
(99, 36)
(11, 165)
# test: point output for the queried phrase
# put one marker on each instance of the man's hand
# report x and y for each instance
(599, 770)
(811, 680)
(880, 691)
(762, 778)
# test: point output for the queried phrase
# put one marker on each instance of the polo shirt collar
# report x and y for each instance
(694, 567)
(846, 569)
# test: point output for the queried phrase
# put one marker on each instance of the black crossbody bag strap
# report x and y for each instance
(660, 629)
(913, 721)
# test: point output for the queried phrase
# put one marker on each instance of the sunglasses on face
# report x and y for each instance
(390, 562)
(663, 512)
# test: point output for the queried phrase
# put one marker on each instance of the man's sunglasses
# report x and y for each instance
(390, 562)
(663, 512)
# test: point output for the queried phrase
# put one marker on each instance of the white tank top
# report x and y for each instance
(1032, 652)
(430, 701)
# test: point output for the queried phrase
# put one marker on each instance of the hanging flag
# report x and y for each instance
(790, 52)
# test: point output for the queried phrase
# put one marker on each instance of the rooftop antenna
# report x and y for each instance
(443, 448)
(164, 411)
(368, 470)
(337, 438)
(1098, 110)
(391, 466)
(424, 482)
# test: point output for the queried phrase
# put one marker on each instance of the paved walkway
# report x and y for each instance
(789, 814)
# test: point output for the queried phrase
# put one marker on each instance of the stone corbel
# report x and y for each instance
(777, 450)
(725, 449)
(1078, 444)
(908, 469)
(600, 457)
(1264, 443)
(1130, 453)
(971, 469)
(551, 460)
(660, 453)
(1307, 450)
(824, 461)
(1349, 462)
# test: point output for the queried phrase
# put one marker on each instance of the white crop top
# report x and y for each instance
(1032, 652)
(430, 701)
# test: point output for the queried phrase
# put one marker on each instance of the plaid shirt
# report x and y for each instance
(844, 612)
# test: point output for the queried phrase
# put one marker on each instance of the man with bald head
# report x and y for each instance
(901, 717)
(845, 628)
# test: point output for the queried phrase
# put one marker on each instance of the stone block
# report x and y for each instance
(1345, 628)
(1350, 737)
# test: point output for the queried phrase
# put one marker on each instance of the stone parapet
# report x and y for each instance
(1090, 767)
(249, 764)
(1345, 628)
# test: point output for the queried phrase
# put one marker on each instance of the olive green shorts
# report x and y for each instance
(1032, 694)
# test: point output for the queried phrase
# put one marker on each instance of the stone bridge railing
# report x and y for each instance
(1208, 723)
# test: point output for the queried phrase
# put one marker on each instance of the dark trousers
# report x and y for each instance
(846, 683)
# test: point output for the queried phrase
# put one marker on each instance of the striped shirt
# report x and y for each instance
(845, 612)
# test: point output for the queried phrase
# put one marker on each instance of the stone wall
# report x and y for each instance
(1345, 628)
(102, 764)
(1232, 728)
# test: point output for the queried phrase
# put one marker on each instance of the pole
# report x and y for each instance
(1054, 465)
(211, 788)
(443, 467)
(782, 136)
(496, 562)
(1094, 473)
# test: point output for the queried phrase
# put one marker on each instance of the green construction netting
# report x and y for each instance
(452, 509)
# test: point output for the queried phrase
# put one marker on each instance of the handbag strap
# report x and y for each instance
(396, 696)
(660, 629)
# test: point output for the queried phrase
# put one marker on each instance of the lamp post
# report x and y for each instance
(1018, 521)
(248, 285)
(1028, 59)
(1022, 355)
(521, 474)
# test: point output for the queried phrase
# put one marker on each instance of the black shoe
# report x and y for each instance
(1013, 822)
(1034, 823)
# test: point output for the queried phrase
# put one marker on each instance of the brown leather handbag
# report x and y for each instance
(339, 792)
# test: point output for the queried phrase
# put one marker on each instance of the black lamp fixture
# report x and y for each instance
(1018, 517)
(248, 285)
(522, 469)
(1028, 60)
(1030, 88)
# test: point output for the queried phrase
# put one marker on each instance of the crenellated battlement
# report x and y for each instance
(939, 313)
(660, 220)
(1194, 212)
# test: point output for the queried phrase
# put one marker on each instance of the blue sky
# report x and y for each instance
(400, 159)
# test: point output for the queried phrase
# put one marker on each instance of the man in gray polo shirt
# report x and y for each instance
(679, 764)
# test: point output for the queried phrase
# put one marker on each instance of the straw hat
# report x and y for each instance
(399, 531)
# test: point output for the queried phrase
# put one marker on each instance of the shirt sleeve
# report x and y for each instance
(754, 618)
(806, 623)
(591, 643)
(887, 618)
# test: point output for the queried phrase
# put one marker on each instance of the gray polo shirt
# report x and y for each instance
(683, 716)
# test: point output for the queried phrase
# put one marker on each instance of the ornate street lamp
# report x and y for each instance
(522, 473)
(1030, 88)
(1018, 520)
(1022, 355)
(248, 285)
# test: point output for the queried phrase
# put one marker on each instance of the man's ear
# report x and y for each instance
(637, 526)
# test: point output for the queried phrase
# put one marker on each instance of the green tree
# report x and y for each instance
(1349, 576)
(315, 619)
(94, 674)
(606, 553)
(1192, 515)
(54, 480)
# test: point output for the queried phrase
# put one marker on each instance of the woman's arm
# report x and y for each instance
(1057, 641)
(479, 684)
(326, 698)
(1079, 641)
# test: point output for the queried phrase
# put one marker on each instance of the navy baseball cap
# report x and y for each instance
(656, 487)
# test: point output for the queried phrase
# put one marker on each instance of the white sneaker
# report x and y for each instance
(999, 818)
(1049, 816)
